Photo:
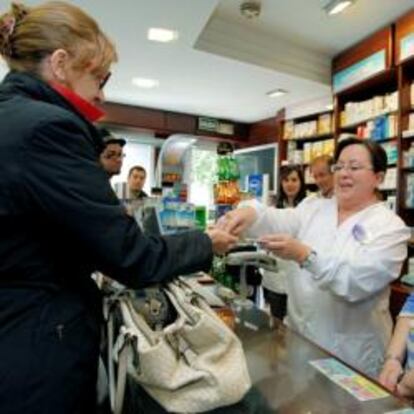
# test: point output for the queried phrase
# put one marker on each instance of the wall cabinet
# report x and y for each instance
(379, 105)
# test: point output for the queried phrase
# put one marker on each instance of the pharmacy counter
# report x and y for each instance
(279, 364)
(286, 382)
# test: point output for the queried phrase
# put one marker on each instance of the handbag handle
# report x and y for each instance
(111, 370)
(116, 385)
(121, 378)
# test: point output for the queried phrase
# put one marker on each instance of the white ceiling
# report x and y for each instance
(222, 64)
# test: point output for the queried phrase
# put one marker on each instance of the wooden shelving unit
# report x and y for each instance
(363, 92)
(404, 29)
(352, 126)
(397, 74)
(406, 80)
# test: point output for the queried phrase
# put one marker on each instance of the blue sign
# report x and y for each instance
(360, 71)
(407, 46)
(255, 184)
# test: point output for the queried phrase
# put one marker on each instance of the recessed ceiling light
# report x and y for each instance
(337, 6)
(276, 93)
(145, 83)
(158, 34)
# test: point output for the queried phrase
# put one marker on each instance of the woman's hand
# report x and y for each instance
(237, 221)
(222, 241)
(405, 387)
(390, 373)
(285, 246)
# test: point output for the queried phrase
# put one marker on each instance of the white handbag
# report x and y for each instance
(192, 365)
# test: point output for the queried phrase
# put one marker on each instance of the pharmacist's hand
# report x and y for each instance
(406, 387)
(285, 246)
(391, 372)
(237, 221)
(222, 240)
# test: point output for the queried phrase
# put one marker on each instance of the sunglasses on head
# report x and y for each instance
(104, 80)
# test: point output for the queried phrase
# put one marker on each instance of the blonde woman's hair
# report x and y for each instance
(28, 35)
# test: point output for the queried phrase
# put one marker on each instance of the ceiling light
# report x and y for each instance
(337, 6)
(162, 35)
(329, 107)
(145, 83)
(276, 93)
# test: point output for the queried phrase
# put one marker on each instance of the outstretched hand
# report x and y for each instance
(222, 241)
(285, 246)
(237, 221)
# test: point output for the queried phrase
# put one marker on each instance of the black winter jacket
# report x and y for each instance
(60, 221)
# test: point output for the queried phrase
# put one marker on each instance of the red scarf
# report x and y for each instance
(91, 112)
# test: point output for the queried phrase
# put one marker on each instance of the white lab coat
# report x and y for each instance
(276, 281)
(342, 301)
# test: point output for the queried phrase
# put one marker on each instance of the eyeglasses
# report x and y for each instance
(104, 80)
(113, 155)
(349, 167)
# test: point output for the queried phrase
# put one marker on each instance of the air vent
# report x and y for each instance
(250, 9)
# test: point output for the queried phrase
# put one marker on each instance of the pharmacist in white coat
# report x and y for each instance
(345, 251)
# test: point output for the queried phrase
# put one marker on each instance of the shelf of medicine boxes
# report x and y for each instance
(306, 130)
(354, 125)
(408, 134)
(368, 92)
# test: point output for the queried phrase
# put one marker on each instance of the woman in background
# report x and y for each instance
(292, 191)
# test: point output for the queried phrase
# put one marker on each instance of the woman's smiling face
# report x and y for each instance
(355, 179)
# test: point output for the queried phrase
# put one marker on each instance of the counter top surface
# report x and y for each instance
(283, 380)
(278, 361)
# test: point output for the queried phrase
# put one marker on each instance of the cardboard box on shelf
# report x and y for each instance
(324, 124)
(317, 149)
(288, 130)
(329, 146)
(307, 152)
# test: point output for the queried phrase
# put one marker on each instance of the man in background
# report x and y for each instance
(136, 181)
(112, 155)
(323, 176)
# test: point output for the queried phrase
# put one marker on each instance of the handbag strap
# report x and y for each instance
(116, 384)
(111, 370)
(121, 378)
(185, 300)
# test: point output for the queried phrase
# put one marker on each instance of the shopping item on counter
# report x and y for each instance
(193, 364)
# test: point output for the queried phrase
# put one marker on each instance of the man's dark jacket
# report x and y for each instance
(60, 221)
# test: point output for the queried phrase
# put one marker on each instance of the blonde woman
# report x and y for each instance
(59, 218)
